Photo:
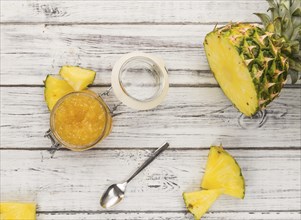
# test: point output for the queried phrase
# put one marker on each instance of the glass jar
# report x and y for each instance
(80, 120)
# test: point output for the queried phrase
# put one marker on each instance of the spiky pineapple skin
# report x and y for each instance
(261, 54)
(285, 22)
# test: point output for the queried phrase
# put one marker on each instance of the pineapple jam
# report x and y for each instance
(80, 120)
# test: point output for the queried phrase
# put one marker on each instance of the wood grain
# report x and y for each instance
(26, 56)
(98, 47)
(131, 11)
(73, 181)
(171, 216)
(189, 117)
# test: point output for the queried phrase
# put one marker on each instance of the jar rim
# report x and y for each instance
(70, 146)
(152, 65)
(124, 96)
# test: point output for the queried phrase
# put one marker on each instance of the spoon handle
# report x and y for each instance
(149, 160)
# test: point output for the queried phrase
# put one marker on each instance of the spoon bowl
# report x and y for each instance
(113, 195)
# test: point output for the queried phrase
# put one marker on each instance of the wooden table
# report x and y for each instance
(38, 37)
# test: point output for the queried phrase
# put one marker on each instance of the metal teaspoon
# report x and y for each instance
(115, 193)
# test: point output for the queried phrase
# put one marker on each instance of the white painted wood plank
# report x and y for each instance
(189, 117)
(73, 181)
(98, 48)
(131, 11)
(26, 56)
(172, 216)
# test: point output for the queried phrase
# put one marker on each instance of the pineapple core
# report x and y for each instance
(231, 73)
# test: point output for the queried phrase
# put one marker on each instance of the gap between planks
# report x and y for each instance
(174, 216)
(290, 86)
(163, 211)
(116, 23)
(206, 148)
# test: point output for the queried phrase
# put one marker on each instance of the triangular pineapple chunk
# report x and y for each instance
(55, 88)
(17, 211)
(199, 202)
(223, 172)
(78, 78)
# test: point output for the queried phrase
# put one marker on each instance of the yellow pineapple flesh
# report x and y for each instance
(17, 211)
(199, 202)
(55, 88)
(78, 77)
(223, 172)
(232, 74)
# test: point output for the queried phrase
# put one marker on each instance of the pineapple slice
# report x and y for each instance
(199, 202)
(78, 78)
(223, 172)
(17, 211)
(55, 88)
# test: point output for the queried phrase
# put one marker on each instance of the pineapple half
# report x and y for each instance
(17, 211)
(78, 78)
(223, 172)
(251, 64)
(199, 202)
(55, 88)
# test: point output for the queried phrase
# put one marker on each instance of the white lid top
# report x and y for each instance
(130, 77)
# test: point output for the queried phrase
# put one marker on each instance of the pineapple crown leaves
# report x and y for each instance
(285, 23)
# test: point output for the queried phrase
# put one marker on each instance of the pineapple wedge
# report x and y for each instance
(55, 88)
(223, 172)
(199, 202)
(77, 77)
(17, 211)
